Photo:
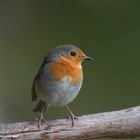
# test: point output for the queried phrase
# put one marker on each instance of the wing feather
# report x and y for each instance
(37, 77)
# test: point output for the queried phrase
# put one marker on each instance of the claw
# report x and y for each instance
(41, 120)
(72, 116)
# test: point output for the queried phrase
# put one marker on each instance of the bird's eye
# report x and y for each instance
(73, 53)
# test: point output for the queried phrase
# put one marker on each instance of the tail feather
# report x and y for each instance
(40, 106)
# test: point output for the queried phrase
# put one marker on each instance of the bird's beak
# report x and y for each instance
(88, 58)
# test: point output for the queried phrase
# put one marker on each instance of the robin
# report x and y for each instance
(59, 79)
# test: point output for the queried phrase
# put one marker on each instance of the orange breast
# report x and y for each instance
(66, 67)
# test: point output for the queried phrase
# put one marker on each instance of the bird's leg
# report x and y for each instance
(72, 116)
(41, 118)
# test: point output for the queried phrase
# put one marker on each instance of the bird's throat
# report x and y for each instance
(67, 68)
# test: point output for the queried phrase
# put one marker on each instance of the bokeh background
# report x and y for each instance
(108, 30)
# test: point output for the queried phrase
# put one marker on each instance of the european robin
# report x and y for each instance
(59, 79)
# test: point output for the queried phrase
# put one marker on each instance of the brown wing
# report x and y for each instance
(34, 95)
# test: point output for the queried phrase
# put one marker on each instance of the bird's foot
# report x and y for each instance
(73, 118)
(40, 120)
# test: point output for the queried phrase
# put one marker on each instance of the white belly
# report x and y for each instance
(61, 93)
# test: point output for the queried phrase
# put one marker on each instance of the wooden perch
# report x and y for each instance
(118, 124)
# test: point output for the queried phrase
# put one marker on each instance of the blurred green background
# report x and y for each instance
(108, 30)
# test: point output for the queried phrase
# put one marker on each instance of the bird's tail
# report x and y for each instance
(41, 104)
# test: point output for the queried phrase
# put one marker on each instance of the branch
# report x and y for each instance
(118, 124)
